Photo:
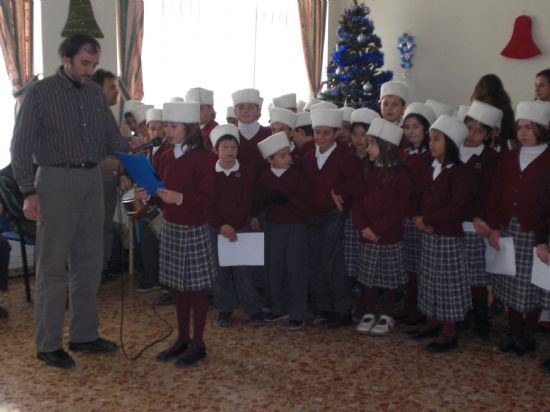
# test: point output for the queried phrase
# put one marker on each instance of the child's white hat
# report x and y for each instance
(222, 130)
(420, 109)
(439, 108)
(385, 130)
(303, 119)
(153, 115)
(310, 103)
(140, 111)
(284, 116)
(130, 105)
(177, 99)
(247, 96)
(485, 113)
(394, 88)
(200, 95)
(534, 111)
(364, 115)
(322, 105)
(300, 106)
(286, 101)
(272, 144)
(462, 111)
(181, 112)
(230, 113)
(451, 127)
(327, 117)
(347, 113)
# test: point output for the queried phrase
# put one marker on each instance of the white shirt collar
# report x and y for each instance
(179, 150)
(438, 169)
(322, 157)
(249, 130)
(278, 172)
(467, 152)
(234, 168)
(292, 145)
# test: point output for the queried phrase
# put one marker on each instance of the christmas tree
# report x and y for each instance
(354, 76)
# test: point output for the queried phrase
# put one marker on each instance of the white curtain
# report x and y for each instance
(223, 46)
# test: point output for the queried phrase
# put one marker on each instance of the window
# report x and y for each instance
(223, 46)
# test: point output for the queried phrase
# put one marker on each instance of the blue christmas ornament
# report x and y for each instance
(405, 45)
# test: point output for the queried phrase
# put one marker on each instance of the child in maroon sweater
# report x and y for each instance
(282, 192)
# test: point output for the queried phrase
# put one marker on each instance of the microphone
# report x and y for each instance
(157, 141)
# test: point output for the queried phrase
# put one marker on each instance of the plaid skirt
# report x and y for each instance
(475, 259)
(411, 244)
(351, 247)
(381, 265)
(186, 259)
(443, 288)
(545, 299)
(517, 292)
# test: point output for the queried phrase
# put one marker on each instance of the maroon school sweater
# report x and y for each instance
(417, 164)
(208, 127)
(481, 170)
(249, 154)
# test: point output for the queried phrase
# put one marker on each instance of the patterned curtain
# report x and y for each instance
(16, 40)
(313, 14)
(130, 40)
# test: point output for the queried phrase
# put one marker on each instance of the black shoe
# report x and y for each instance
(173, 351)
(99, 345)
(224, 319)
(340, 320)
(507, 345)
(545, 366)
(322, 316)
(440, 347)
(423, 333)
(146, 287)
(168, 298)
(414, 321)
(271, 317)
(525, 346)
(58, 358)
(295, 324)
(192, 356)
(256, 319)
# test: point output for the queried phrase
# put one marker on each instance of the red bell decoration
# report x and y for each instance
(521, 45)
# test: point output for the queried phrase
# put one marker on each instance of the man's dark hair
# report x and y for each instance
(100, 75)
(71, 45)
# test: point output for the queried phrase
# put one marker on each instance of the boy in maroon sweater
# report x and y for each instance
(334, 178)
(283, 194)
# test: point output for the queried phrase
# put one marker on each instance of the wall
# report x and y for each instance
(54, 16)
(457, 42)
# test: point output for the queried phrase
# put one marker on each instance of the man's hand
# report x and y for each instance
(31, 208)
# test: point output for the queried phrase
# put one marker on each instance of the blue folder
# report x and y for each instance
(141, 171)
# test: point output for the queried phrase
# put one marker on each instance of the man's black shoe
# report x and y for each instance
(58, 358)
(99, 345)
(440, 347)
(339, 320)
(168, 298)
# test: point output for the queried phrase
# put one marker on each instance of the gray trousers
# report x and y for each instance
(328, 282)
(287, 270)
(70, 232)
(234, 285)
(110, 197)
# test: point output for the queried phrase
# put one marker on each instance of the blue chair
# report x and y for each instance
(13, 201)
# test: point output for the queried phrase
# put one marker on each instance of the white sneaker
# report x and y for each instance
(384, 325)
(366, 323)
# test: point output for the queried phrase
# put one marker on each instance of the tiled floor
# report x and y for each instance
(268, 368)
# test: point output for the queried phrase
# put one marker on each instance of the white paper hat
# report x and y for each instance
(284, 116)
(140, 111)
(272, 144)
(153, 115)
(286, 101)
(300, 106)
(394, 88)
(200, 95)
(534, 111)
(452, 127)
(462, 112)
(129, 105)
(222, 130)
(181, 112)
(347, 113)
(322, 105)
(364, 115)
(247, 96)
(177, 99)
(385, 130)
(310, 103)
(303, 119)
(230, 113)
(439, 108)
(421, 109)
(327, 117)
(485, 113)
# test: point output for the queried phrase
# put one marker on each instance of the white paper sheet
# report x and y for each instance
(540, 276)
(468, 227)
(501, 262)
(248, 250)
